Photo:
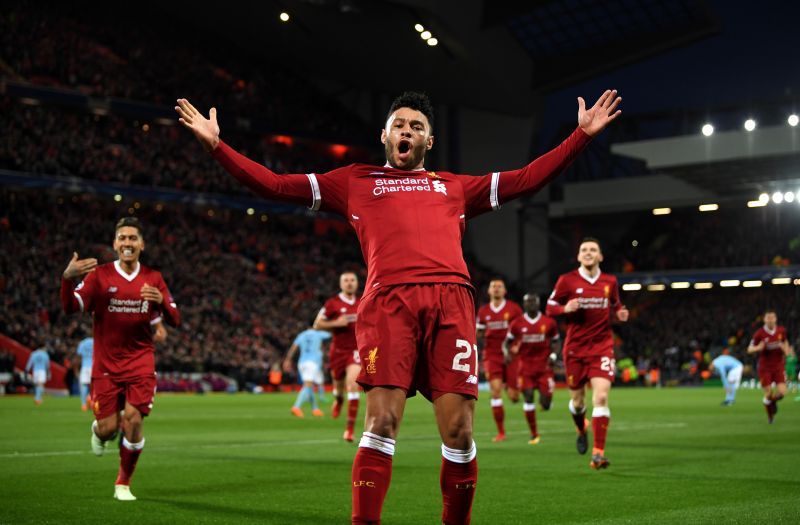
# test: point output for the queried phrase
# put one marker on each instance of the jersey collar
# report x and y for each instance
(770, 332)
(344, 299)
(387, 165)
(499, 308)
(128, 277)
(583, 273)
(533, 321)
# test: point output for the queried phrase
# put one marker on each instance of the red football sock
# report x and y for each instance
(530, 415)
(499, 415)
(372, 473)
(458, 480)
(128, 456)
(601, 418)
(352, 412)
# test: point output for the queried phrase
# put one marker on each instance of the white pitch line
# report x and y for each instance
(318, 441)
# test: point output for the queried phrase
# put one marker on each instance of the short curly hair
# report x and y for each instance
(413, 100)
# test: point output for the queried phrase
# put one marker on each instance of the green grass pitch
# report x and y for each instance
(677, 457)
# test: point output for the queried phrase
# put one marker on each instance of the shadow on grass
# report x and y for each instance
(233, 513)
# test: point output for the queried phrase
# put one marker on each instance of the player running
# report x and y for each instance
(772, 344)
(121, 297)
(338, 316)
(85, 351)
(309, 366)
(730, 371)
(501, 368)
(415, 328)
(588, 299)
(39, 364)
(534, 338)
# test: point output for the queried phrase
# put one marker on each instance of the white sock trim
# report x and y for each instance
(376, 442)
(601, 412)
(767, 401)
(573, 411)
(497, 402)
(133, 446)
(459, 456)
(529, 407)
(353, 396)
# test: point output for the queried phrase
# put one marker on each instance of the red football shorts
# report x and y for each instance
(419, 337)
(495, 367)
(340, 360)
(541, 380)
(769, 375)
(580, 370)
(109, 395)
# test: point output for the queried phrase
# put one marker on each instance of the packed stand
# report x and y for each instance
(88, 49)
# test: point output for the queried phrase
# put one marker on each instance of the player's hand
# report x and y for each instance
(287, 366)
(623, 314)
(514, 349)
(151, 293)
(160, 334)
(79, 267)
(572, 306)
(595, 119)
(340, 322)
(206, 130)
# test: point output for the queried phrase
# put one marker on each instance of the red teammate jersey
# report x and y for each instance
(495, 323)
(534, 336)
(588, 328)
(344, 338)
(123, 340)
(409, 223)
(772, 355)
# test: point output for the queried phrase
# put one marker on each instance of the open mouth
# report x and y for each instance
(127, 252)
(404, 147)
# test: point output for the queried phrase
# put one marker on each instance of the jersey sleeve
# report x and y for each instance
(616, 302)
(552, 332)
(318, 192)
(557, 299)
(80, 297)
(756, 338)
(478, 324)
(490, 192)
(168, 307)
(511, 333)
(330, 311)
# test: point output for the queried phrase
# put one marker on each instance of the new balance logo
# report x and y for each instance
(439, 186)
(472, 379)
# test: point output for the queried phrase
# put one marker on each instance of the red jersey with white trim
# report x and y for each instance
(588, 328)
(123, 340)
(772, 355)
(495, 322)
(410, 223)
(534, 336)
(344, 338)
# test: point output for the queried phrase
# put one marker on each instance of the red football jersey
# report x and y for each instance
(344, 339)
(588, 328)
(772, 355)
(534, 336)
(495, 323)
(123, 340)
(410, 223)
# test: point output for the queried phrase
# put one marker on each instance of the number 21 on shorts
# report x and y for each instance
(459, 360)
(608, 364)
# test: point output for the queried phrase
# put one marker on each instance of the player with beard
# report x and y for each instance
(121, 297)
(501, 368)
(588, 299)
(338, 316)
(534, 338)
(415, 328)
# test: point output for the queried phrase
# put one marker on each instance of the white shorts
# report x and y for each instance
(86, 375)
(310, 372)
(735, 376)
(39, 377)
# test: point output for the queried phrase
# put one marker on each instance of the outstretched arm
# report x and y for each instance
(296, 189)
(490, 192)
